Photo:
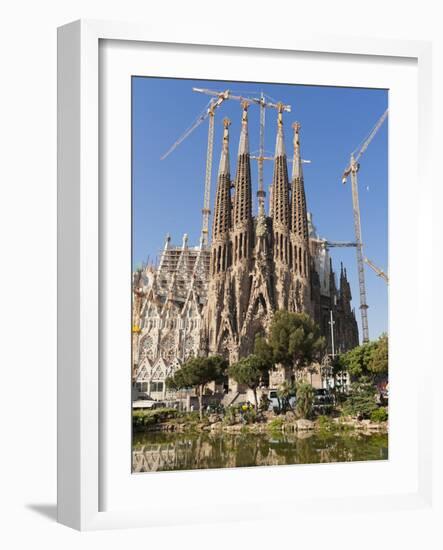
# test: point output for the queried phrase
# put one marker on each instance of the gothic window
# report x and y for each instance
(224, 345)
(147, 348)
(189, 347)
(142, 387)
(168, 348)
(156, 386)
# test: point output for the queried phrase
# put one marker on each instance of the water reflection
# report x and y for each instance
(165, 451)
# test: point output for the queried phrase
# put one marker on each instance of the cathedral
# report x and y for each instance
(216, 299)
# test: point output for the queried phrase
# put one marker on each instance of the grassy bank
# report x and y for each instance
(232, 422)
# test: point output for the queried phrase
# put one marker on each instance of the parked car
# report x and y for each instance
(323, 400)
(277, 404)
(143, 401)
(215, 408)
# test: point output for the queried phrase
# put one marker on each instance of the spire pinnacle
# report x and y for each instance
(300, 224)
(242, 196)
(224, 158)
(280, 183)
(280, 143)
(296, 165)
(243, 146)
(221, 221)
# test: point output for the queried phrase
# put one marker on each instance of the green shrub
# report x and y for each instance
(230, 416)
(325, 423)
(250, 416)
(140, 419)
(379, 415)
(144, 417)
(276, 425)
(304, 400)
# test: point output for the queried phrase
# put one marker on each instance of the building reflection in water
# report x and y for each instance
(155, 452)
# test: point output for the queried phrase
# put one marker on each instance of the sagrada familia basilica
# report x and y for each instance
(215, 299)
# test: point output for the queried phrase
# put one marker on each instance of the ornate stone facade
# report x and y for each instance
(167, 314)
(215, 301)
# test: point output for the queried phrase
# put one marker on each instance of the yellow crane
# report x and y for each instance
(351, 170)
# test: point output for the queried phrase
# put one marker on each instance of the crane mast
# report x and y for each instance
(359, 249)
(261, 192)
(206, 211)
(351, 171)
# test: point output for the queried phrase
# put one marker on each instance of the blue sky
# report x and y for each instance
(168, 194)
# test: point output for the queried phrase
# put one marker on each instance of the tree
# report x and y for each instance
(361, 400)
(249, 371)
(357, 360)
(380, 355)
(305, 400)
(295, 339)
(368, 360)
(263, 350)
(196, 373)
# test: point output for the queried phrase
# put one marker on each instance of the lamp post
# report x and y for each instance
(332, 323)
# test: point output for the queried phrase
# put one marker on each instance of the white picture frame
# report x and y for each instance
(81, 412)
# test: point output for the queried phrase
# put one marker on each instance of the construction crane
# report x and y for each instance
(207, 113)
(377, 270)
(352, 170)
(339, 244)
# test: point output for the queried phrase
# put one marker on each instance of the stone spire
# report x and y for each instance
(224, 167)
(280, 183)
(345, 289)
(299, 222)
(166, 248)
(281, 221)
(243, 194)
(222, 207)
(221, 225)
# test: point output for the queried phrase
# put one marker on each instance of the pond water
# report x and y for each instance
(176, 451)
